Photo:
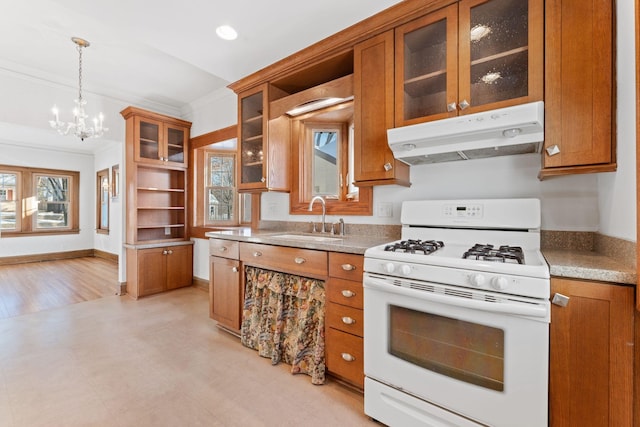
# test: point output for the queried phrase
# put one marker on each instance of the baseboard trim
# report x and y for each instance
(53, 256)
(201, 284)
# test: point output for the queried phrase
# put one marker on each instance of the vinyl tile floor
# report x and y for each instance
(157, 361)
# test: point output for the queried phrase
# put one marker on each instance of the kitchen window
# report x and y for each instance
(38, 201)
(221, 195)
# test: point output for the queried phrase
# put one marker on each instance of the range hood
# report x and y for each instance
(505, 131)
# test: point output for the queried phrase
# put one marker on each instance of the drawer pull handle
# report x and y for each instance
(348, 320)
(222, 249)
(299, 260)
(257, 254)
(348, 357)
(348, 294)
(234, 269)
(348, 267)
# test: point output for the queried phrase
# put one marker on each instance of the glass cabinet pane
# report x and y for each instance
(251, 151)
(149, 140)
(499, 51)
(175, 145)
(425, 70)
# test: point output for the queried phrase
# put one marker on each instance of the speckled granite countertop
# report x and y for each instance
(354, 244)
(588, 265)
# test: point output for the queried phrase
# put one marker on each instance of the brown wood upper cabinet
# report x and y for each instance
(471, 56)
(263, 144)
(157, 139)
(580, 88)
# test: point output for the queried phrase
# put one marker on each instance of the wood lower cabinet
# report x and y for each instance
(591, 355)
(226, 284)
(158, 269)
(344, 345)
(580, 87)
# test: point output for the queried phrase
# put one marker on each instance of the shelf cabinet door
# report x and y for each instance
(427, 68)
(253, 136)
(580, 87)
(374, 163)
(175, 147)
(179, 261)
(591, 355)
(152, 267)
(148, 135)
(225, 292)
(501, 53)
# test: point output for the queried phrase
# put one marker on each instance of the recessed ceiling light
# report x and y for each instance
(226, 32)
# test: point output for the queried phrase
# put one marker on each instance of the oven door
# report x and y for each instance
(450, 353)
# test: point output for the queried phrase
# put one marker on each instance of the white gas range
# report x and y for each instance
(457, 316)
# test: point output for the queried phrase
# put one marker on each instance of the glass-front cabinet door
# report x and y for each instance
(176, 145)
(147, 139)
(501, 60)
(427, 67)
(472, 56)
(252, 141)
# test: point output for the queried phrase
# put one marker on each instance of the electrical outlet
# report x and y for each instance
(385, 209)
(167, 231)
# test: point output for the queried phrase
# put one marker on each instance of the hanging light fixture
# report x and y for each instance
(79, 126)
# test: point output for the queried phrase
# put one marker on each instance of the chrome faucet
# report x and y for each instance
(324, 209)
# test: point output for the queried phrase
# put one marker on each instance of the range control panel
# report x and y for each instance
(463, 211)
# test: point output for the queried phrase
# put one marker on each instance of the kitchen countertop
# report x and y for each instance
(353, 244)
(588, 265)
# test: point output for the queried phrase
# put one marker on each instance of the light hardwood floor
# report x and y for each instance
(36, 286)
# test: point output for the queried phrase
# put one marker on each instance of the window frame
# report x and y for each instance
(15, 200)
(103, 195)
(27, 201)
(235, 218)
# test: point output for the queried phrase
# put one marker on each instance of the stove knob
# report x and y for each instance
(477, 279)
(389, 267)
(499, 283)
(405, 270)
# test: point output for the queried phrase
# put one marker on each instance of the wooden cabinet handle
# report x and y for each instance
(348, 357)
(348, 294)
(299, 260)
(348, 320)
(348, 267)
(257, 254)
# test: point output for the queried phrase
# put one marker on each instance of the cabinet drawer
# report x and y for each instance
(344, 356)
(346, 266)
(303, 262)
(224, 248)
(346, 319)
(345, 292)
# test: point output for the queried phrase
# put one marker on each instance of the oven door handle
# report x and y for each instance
(520, 309)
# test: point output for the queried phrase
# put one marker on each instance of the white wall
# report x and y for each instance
(617, 191)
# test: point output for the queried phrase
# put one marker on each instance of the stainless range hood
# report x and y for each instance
(505, 131)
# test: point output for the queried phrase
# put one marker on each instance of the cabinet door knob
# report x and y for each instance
(553, 150)
(348, 357)
(452, 106)
(561, 300)
(299, 260)
(388, 167)
(164, 252)
(263, 179)
(257, 254)
(222, 249)
(464, 104)
(234, 269)
(348, 294)
(169, 251)
(348, 320)
(348, 267)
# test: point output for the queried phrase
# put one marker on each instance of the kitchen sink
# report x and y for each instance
(307, 237)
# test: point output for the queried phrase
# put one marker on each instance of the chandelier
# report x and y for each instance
(79, 126)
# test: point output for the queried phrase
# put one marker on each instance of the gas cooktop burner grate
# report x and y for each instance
(488, 253)
(412, 246)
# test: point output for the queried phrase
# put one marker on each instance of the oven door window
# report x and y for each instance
(462, 350)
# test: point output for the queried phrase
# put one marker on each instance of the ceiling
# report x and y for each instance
(162, 52)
